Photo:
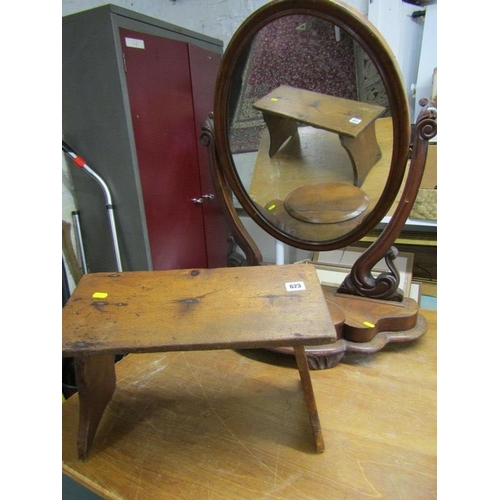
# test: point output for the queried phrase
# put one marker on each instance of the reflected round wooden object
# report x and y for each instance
(326, 203)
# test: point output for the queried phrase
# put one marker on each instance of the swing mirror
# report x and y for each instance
(311, 122)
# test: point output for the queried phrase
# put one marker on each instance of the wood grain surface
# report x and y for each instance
(326, 203)
(343, 116)
(191, 309)
(233, 424)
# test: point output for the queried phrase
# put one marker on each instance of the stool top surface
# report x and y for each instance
(196, 309)
(343, 116)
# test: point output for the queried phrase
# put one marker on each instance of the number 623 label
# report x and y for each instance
(295, 286)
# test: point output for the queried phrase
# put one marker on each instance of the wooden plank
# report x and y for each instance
(199, 425)
(305, 378)
(343, 116)
(190, 309)
(96, 382)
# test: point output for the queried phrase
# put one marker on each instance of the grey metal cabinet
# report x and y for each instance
(136, 91)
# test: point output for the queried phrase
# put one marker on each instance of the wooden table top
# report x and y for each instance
(343, 116)
(193, 309)
(199, 425)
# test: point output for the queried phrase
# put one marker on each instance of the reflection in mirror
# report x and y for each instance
(310, 128)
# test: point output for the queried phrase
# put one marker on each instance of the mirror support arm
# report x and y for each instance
(222, 192)
(360, 281)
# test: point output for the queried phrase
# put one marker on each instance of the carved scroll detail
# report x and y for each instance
(384, 286)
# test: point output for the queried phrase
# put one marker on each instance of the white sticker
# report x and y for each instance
(295, 286)
(135, 43)
(355, 121)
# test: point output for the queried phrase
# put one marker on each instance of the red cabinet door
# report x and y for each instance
(204, 67)
(160, 94)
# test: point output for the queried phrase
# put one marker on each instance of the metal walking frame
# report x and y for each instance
(81, 163)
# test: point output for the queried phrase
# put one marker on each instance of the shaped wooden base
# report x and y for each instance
(364, 326)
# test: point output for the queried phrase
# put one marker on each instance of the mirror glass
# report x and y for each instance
(309, 130)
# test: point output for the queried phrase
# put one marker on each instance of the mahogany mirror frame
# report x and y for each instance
(370, 40)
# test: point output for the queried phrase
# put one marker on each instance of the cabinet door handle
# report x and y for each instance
(199, 201)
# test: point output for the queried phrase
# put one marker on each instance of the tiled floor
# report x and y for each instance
(428, 303)
(71, 490)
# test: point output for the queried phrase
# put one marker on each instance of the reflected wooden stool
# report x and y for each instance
(285, 107)
(183, 310)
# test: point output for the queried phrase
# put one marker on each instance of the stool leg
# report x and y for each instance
(364, 152)
(280, 129)
(96, 382)
(305, 377)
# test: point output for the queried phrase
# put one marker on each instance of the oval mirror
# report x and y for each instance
(312, 124)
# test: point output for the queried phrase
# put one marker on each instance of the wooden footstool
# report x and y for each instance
(183, 310)
(285, 107)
